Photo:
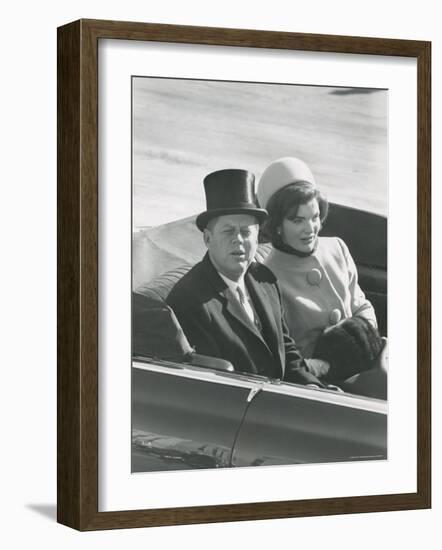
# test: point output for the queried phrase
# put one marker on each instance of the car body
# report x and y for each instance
(191, 411)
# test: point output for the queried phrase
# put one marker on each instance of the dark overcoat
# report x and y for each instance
(216, 324)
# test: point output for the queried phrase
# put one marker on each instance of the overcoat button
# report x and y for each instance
(314, 276)
(335, 316)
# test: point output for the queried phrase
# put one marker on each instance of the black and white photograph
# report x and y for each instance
(259, 274)
(220, 275)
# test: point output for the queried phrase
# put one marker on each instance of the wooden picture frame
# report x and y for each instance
(77, 458)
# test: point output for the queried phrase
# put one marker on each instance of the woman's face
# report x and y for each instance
(300, 230)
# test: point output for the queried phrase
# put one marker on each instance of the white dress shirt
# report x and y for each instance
(240, 286)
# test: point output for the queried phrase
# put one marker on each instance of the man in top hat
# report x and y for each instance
(229, 306)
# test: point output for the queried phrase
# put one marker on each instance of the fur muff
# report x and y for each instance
(350, 347)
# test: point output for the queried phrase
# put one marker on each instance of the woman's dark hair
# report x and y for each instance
(285, 204)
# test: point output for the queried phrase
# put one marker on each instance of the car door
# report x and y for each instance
(290, 424)
(184, 416)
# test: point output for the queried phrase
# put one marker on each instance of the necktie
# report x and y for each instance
(245, 304)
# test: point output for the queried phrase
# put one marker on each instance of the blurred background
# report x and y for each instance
(185, 129)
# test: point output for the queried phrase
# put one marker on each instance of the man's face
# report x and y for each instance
(232, 241)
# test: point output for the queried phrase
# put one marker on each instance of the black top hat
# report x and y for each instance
(230, 192)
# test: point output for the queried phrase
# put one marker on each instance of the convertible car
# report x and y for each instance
(193, 411)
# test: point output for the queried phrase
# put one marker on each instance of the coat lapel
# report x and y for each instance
(234, 308)
(231, 302)
(264, 306)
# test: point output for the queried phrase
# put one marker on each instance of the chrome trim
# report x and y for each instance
(329, 396)
(195, 373)
(253, 392)
(255, 384)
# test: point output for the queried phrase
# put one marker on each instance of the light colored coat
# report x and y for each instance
(318, 290)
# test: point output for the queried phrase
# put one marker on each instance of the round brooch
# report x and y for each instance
(335, 316)
(314, 276)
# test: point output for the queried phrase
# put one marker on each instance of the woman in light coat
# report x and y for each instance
(317, 275)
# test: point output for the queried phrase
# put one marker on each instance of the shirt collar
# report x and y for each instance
(233, 285)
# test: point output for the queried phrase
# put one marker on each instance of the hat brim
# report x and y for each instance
(203, 219)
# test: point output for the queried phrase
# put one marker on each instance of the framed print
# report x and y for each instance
(243, 274)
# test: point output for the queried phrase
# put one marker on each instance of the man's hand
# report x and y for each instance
(335, 388)
(317, 367)
(313, 386)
